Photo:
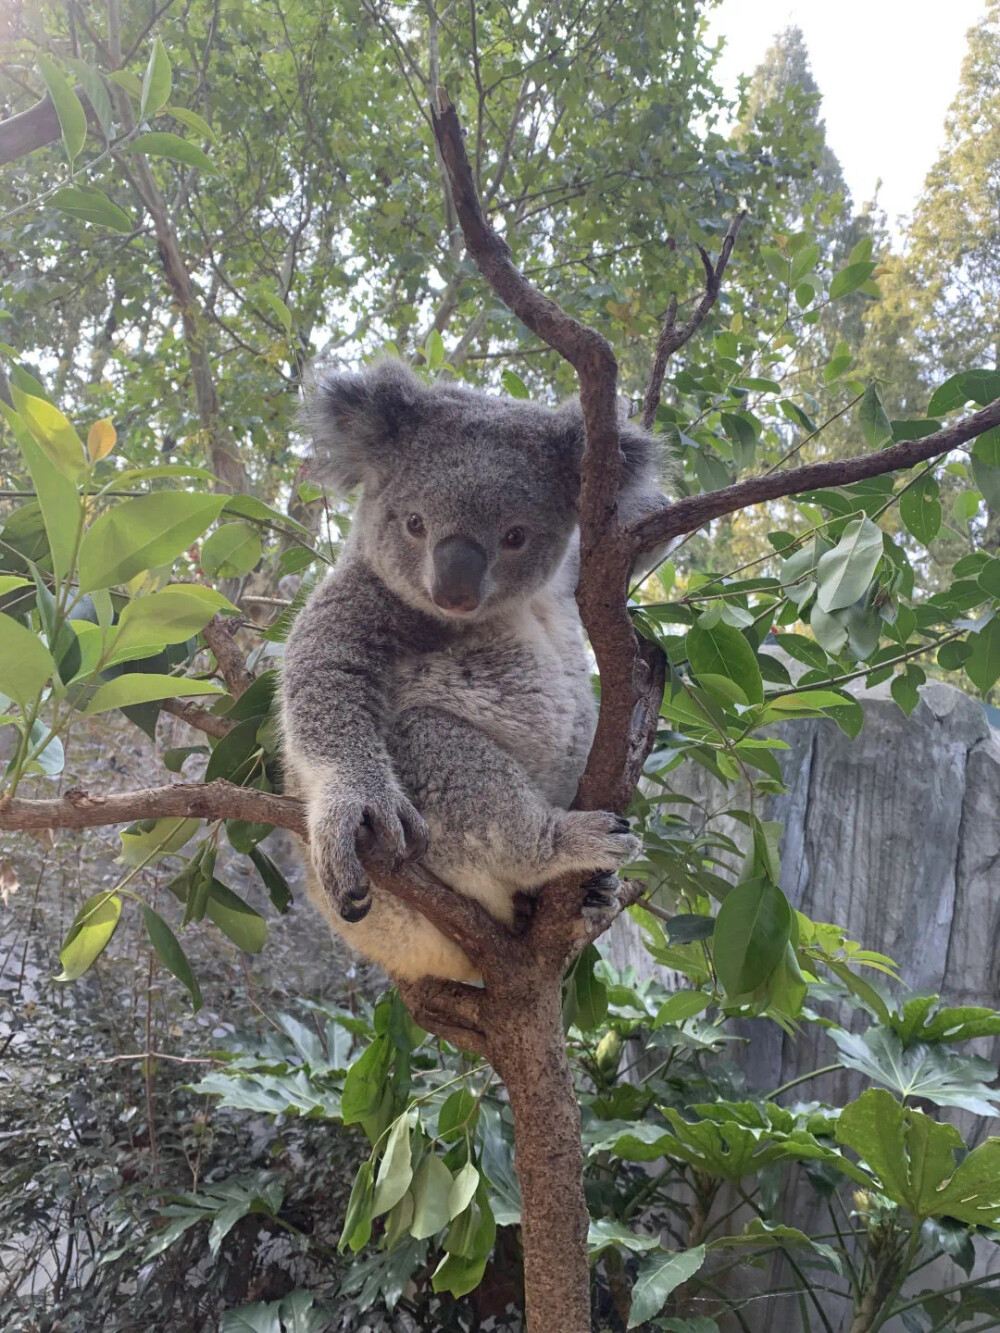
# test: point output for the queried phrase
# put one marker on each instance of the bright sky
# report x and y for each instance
(888, 71)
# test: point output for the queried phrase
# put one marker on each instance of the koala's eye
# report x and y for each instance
(513, 539)
(415, 526)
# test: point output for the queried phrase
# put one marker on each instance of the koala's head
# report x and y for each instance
(468, 500)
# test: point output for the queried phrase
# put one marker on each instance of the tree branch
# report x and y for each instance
(450, 1009)
(199, 718)
(35, 128)
(228, 657)
(694, 511)
(671, 337)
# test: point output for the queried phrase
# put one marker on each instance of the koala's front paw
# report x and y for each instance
(344, 824)
(595, 840)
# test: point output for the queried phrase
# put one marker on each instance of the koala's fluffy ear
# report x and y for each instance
(357, 421)
(644, 467)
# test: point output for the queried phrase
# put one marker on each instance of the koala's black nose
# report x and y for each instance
(459, 568)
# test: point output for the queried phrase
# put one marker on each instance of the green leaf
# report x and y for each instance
(803, 262)
(69, 108)
(192, 120)
(141, 687)
(845, 572)
(682, 1005)
(905, 687)
(434, 350)
(986, 466)
(236, 919)
(395, 1172)
(358, 1219)
(591, 993)
(171, 955)
(141, 534)
(920, 509)
(156, 82)
(51, 431)
(431, 1194)
(365, 1080)
(160, 143)
(982, 666)
(752, 928)
(231, 551)
(57, 496)
(658, 1275)
(89, 204)
(514, 385)
(25, 663)
(724, 651)
(919, 1070)
(277, 307)
(849, 279)
(97, 94)
(150, 840)
(874, 423)
(172, 615)
(981, 386)
(124, 78)
(989, 578)
(463, 1189)
(274, 881)
(88, 936)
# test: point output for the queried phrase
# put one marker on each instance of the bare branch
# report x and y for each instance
(212, 800)
(450, 1009)
(219, 636)
(671, 337)
(199, 718)
(35, 128)
(695, 511)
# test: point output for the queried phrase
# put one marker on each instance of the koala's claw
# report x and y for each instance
(595, 840)
(354, 911)
(602, 889)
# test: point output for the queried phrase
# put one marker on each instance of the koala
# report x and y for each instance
(436, 697)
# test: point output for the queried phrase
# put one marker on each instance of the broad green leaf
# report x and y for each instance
(751, 930)
(144, 533)
(156, 82)
(682, 1005)
(872, 416)
(139, 687)
(25, 662)
(97, 94)
(236, 919)
(58, 500)
(723, 651)
(658, 1275)
(919, 1070)
(165, 942)
(605, 1233)
(849, 279)
(8, 582)
(457, 1116)
(458, 1275)
(192, 120)
(395, 1173)
(434, 349)
(69, 108)
(986, 466)
(803, 262)
(905, 687)
(845, 572)
(514, 385)
(231, 551)
(988, 578)
(148, 841)
(51, 432)
(89, 204)
(365, 1081)
(431, 1194)
(274, 881)
(258, 1318)
(357, 1228)
(920, 509)
(463, 1189)
(124, 78)
(248, 506)
(160, 143)
(982, 666)
(172, 615)
(89, 934)
(979, 386)
(590, 992)
(830, 630)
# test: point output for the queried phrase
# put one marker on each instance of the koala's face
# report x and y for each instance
(467, 500)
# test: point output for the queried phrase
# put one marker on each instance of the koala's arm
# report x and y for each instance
(337, 674)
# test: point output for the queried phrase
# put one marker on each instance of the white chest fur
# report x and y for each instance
(524, 682)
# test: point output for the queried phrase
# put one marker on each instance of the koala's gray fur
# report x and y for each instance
(458, 737)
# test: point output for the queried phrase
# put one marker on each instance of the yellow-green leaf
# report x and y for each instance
(158, 143)
(57, 495)
(192, 120)
(170, 616)
(54, 435)
(101, 439)
(25, 662)
(231, 551)
(142, 534)
(89, 934)
(142, 687)
(156, 82)
(69, 108)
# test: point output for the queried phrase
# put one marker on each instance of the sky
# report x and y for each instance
(888, 71)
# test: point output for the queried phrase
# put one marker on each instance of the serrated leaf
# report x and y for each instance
(919, 1070)
(69, 108)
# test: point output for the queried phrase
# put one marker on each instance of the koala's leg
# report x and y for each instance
(492, 833)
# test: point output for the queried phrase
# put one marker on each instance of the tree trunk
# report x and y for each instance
(529, 1054)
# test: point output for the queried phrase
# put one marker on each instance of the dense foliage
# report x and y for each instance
(240, 186)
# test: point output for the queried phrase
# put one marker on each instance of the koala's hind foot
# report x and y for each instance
(602, 903)
(594, 840)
